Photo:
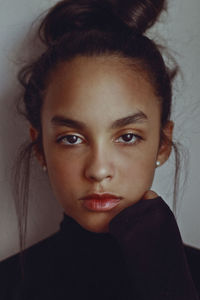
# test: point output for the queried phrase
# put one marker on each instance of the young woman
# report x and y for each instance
(98, 101)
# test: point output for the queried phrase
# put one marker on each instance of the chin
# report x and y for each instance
(98, 223)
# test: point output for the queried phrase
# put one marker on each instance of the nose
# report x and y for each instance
(99, 166)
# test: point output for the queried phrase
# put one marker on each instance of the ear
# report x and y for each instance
(165, 143)
(37, 151)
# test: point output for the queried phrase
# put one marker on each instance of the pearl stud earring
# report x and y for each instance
(44, 168)
(157, 163)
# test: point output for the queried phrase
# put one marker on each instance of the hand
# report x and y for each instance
(137, 209)
(149, 238)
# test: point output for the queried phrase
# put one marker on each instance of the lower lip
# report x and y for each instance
(101, 204)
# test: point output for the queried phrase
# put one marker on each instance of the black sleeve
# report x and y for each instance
(149, 237)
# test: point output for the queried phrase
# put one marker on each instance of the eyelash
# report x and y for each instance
(136, 137)
(62, 138)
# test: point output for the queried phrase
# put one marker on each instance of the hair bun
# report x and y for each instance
(139, 15)
(113, 15)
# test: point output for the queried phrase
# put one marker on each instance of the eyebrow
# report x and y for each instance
(132, 119)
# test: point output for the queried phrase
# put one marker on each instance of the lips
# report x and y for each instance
(101, 202)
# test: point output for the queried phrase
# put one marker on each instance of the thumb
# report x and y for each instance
(150, 195)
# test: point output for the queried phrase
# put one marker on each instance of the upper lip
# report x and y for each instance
(101, 196)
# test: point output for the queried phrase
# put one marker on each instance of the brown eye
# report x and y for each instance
(128, 138)
(70, 139)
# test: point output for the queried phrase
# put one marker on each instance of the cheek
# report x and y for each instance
(64, 173)
(137, 169)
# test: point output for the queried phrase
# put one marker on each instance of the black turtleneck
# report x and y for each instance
(141, 258)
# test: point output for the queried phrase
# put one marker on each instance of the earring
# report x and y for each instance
(44, 168)
(157, 163)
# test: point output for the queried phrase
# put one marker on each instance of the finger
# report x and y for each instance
(150, 195)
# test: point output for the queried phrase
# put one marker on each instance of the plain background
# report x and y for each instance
(179, 30)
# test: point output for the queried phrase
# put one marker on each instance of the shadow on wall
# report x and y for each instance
(44, 211)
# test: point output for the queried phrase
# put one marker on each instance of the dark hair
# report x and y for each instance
(91, 28)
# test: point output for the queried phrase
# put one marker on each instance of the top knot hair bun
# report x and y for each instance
(104, 15)
(139, 15)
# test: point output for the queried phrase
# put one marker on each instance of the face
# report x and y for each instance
(101, 134)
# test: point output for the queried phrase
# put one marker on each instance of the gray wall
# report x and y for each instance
(180, 31)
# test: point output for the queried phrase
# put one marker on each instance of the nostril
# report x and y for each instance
(99, 178)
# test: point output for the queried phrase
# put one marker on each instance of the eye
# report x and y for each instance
(70, 139)
(128, 138)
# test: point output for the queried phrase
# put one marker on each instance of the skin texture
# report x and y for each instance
(97, 91)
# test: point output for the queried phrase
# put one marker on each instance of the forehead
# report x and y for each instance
(114, 86)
